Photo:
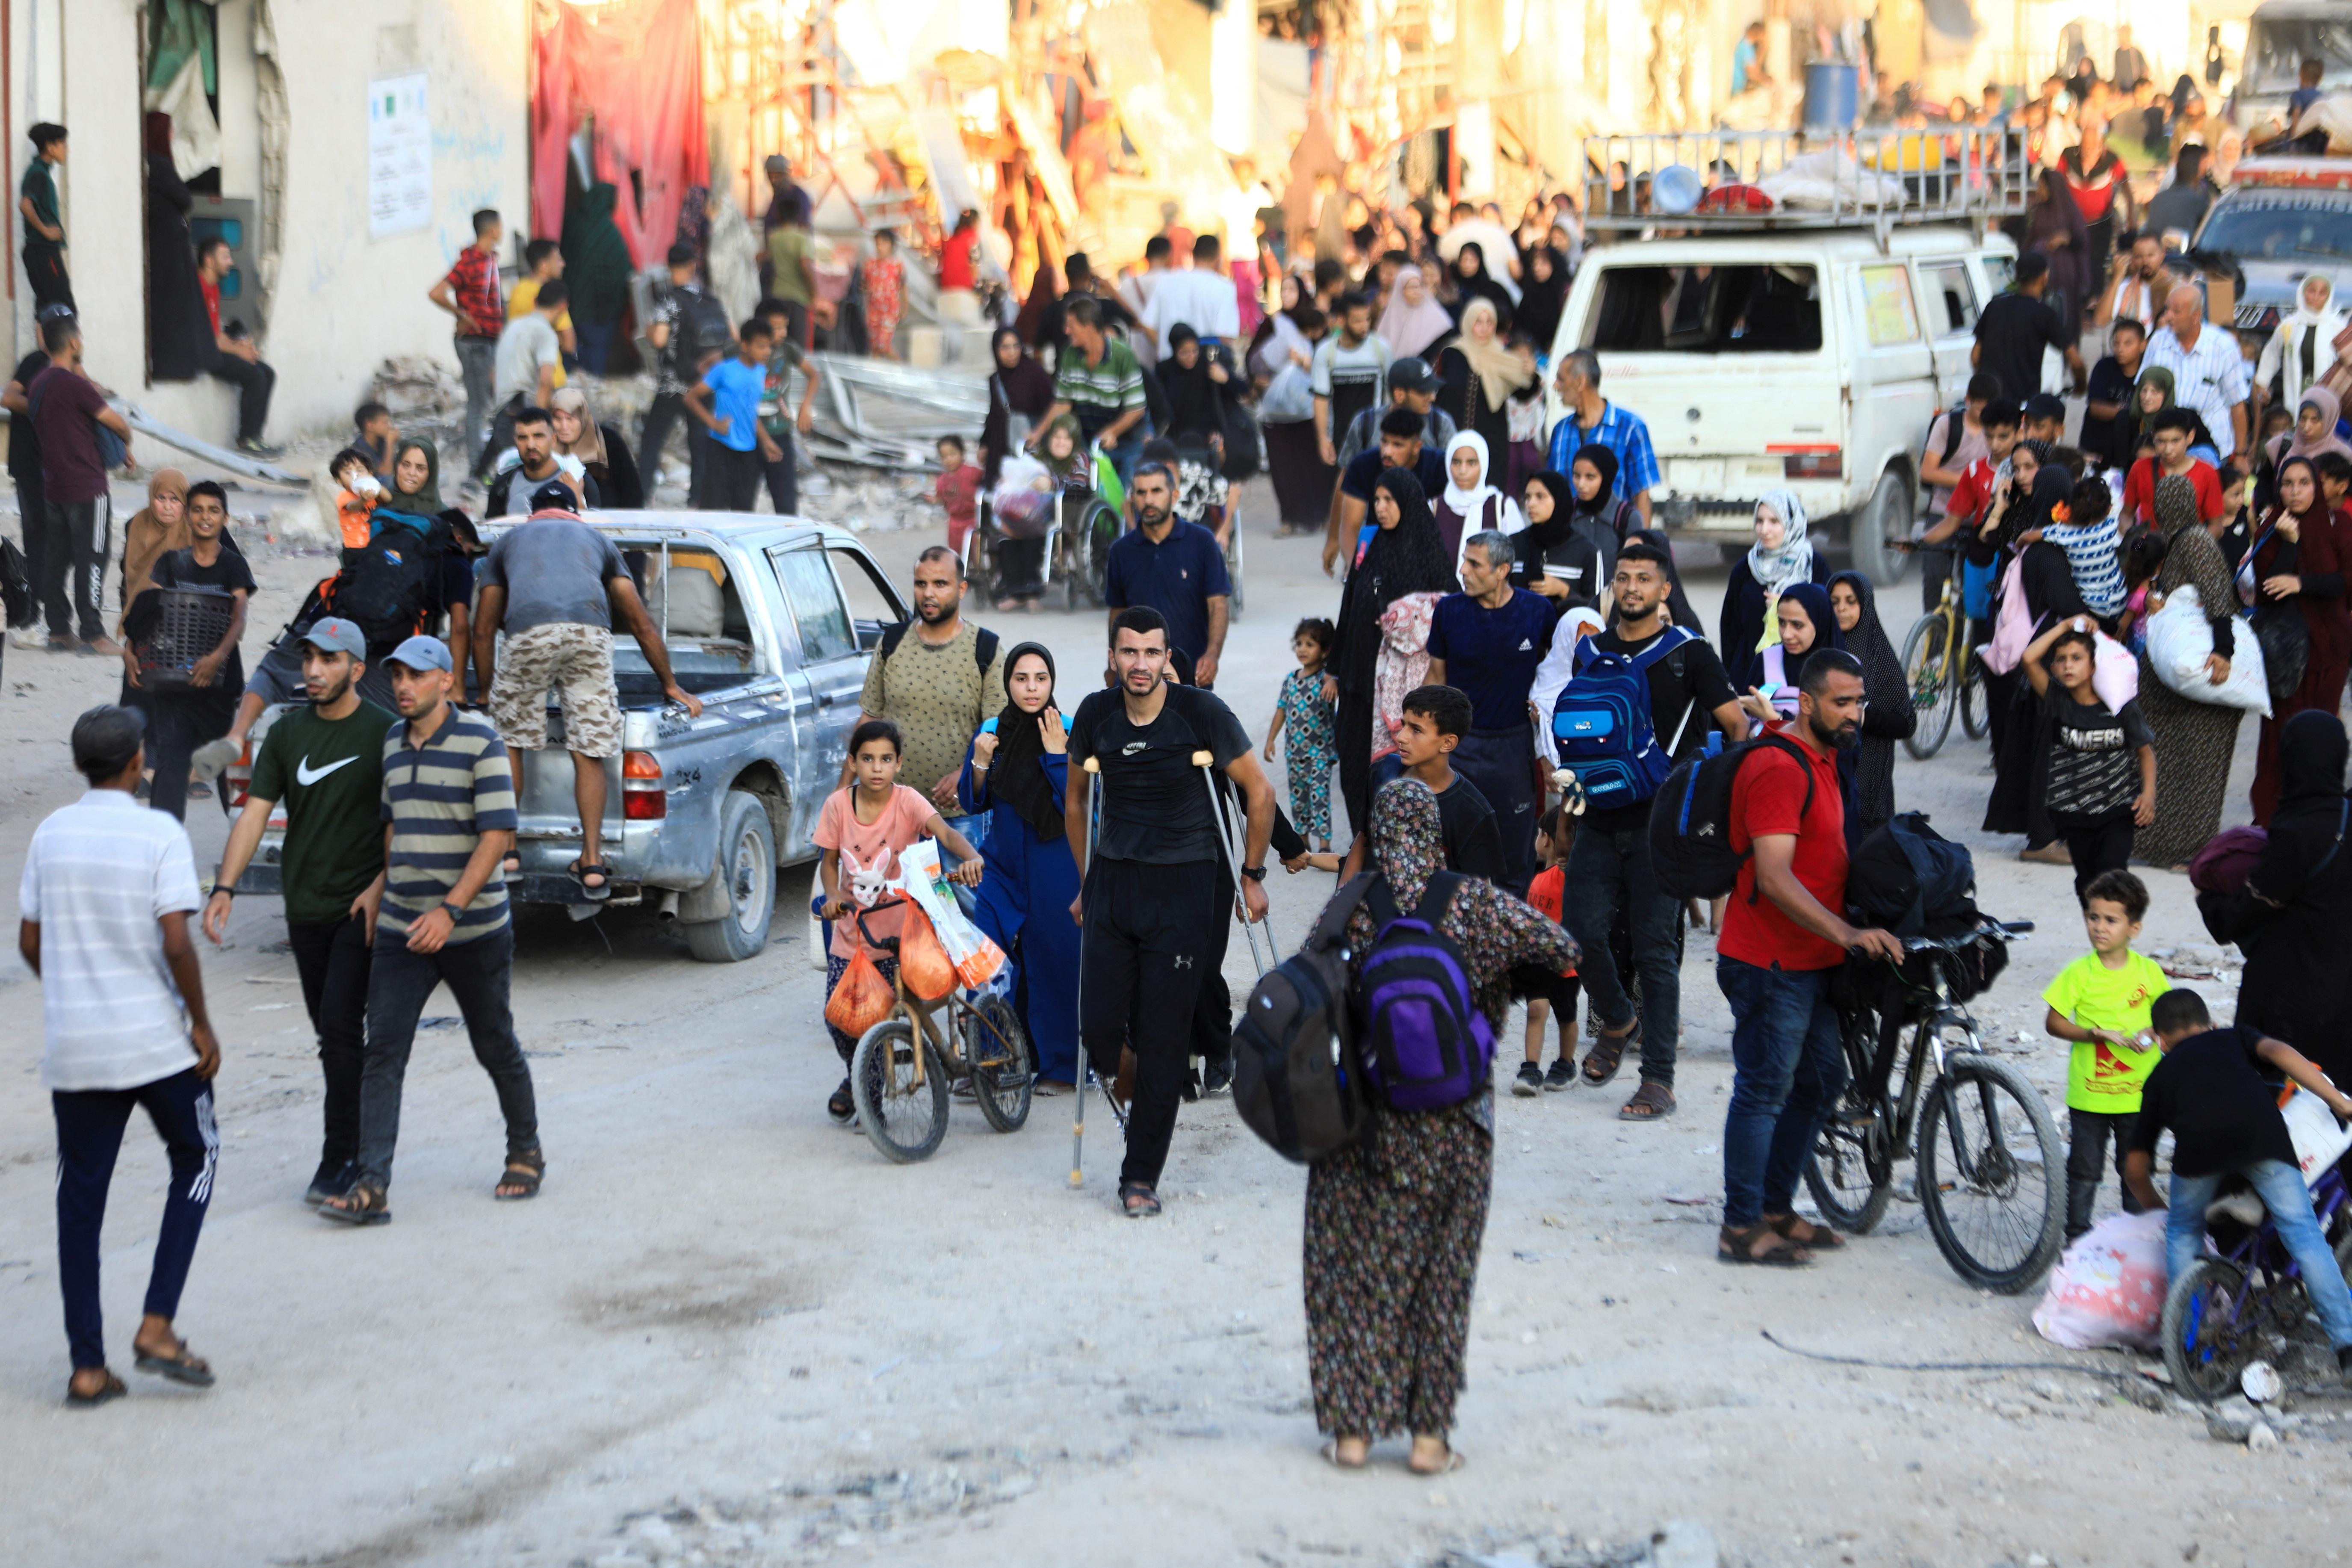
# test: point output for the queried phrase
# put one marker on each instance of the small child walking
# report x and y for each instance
(1314, 736)
(1550, 994)
(2087, 533)
(884, 276)
(862, 827)
(958, 490)
(2095, 794)
(2100, 1005)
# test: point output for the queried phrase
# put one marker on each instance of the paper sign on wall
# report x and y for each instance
(400, 156)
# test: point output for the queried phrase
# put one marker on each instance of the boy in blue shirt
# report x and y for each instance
(726, 402)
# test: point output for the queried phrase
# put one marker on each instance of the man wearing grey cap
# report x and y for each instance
(326, 763)
(441, 918)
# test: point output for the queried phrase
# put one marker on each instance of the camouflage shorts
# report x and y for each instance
(576, 660)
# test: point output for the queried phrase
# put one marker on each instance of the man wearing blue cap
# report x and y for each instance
(326, 763)
(441, 918)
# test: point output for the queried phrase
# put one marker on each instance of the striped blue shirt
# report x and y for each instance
(2092, 549)
(1622, 432)
(440, 798)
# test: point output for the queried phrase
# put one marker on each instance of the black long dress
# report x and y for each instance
(1889, 718)
(2021, 763)
(180, 345)
(616, 476)
(1406, 559)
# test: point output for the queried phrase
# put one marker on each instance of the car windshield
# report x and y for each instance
(1707, 311)
(2281, 229)
(2276, 48)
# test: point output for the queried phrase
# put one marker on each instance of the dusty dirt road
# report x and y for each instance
(728, 1332)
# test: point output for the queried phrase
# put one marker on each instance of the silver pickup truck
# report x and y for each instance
(769, 623)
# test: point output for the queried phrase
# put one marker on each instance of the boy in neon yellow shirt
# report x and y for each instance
(2100, 1003)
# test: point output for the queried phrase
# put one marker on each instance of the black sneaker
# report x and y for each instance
(1529, 1083)
(1216, 1076)
(331, 1182)
(1562, 1076)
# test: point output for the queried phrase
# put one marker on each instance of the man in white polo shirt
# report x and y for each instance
(109, 886)
(2209, 372)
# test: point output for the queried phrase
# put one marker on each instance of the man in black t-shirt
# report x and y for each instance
(185, 719)
(25, 470)
(2016, 326)
(1610, 864)
(1153, 897)
(1436, 719)
(2212, 1092)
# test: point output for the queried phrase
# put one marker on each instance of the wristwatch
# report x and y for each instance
(1255, 873)
(456, 913)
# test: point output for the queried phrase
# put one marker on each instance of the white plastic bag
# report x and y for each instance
(2114, 672)
(976, 958)
(2319, 1139)
(2181, 639)
(2108, 1288)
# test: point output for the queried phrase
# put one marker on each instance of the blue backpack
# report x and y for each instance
(1601, 728)
(1424, 1043)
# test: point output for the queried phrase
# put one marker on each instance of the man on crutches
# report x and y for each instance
(1151, 897)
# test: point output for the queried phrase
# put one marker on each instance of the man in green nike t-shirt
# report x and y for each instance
(326, 763)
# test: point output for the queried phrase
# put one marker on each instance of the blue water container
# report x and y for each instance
(1833, 96)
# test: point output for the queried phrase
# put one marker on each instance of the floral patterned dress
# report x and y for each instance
(1395, 1220)
(886, 301)
(1309, 733)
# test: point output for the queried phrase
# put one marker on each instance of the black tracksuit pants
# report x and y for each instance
(333, 959)
(1145, 957)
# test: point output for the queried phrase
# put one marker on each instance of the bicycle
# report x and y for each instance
(900, 1074)
(2247, 1301)
(1940, 666)
(1991, 1166)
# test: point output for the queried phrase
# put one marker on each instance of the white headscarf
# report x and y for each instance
(1411, 329)
(1552, 674)
(1793, 561)
(1470, 505)
(2283, 355)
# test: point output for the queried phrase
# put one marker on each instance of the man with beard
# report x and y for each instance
(326, 763)
(1173, 566)
(935, 677)
(1782, 939)
(1153, 897)
(535, 465)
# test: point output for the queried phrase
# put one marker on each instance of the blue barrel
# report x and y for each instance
(1833, 96)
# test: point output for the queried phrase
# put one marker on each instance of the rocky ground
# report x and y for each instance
(729, 1333)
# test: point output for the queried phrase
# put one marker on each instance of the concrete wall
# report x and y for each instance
(341, 301)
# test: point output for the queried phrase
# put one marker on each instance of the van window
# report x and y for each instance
(1951, 298)
(1888, 313)
(1706, 309)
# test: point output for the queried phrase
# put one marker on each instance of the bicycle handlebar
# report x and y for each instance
(888, 944)
(2001, 930)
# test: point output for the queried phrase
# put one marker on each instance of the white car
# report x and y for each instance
(1810, 359)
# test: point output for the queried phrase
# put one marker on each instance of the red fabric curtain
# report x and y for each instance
(639, 69)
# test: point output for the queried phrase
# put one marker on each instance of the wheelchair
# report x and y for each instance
(1068, 536)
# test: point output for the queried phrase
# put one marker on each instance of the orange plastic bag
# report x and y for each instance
(924, 963)
(862, 1000)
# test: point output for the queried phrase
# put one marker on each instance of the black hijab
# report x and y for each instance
(1407, 559)
(2313, 751)
(1882, 671)
(1540, 300)
(1815, 598)
(1555, 529)
(1481, 284)
(1196, 404)
(1603, 498)
(1017, 780)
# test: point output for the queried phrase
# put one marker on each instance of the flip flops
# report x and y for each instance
(600, 891)
(1739, 1247)
(112, 1389)
(182, 1368)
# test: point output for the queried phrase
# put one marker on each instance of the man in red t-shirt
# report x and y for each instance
(469, 291)
(1782, 937)
(2174, 427)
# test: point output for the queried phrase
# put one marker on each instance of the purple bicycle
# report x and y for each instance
(2244, 1301)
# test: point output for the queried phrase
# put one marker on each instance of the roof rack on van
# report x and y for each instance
(1875, 178)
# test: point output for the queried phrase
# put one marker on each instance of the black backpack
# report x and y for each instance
(701, 327)
(1911, 880)
(1690, 820)
(1298, 1081)
(984, 648)
(388, 585)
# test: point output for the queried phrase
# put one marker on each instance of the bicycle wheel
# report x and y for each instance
(902, 1119)
(1975, 699)
(1851, 1173)
(1926, 672)
(2208, 1330)
(1236, 557)
(996, 1049)
(1991, 1174)
(1097, 531)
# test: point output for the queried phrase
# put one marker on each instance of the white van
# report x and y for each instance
(1769, 354)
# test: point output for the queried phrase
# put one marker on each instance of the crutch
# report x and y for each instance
(1086, 1068)
(1251, 930)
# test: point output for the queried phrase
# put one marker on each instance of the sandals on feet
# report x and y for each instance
(1128, 1194)
(184, 1367)
(366, 1203)
(599, 891)
(1330, 1456)
(842, 1107)
(1651, 1102)
(1453, 1461)
(1759, 1244)
(114, 1388)
(1815, 1237)
(523, 1173)
(1608, 1052)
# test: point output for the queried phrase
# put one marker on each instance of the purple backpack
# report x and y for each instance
(1425, 1044)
